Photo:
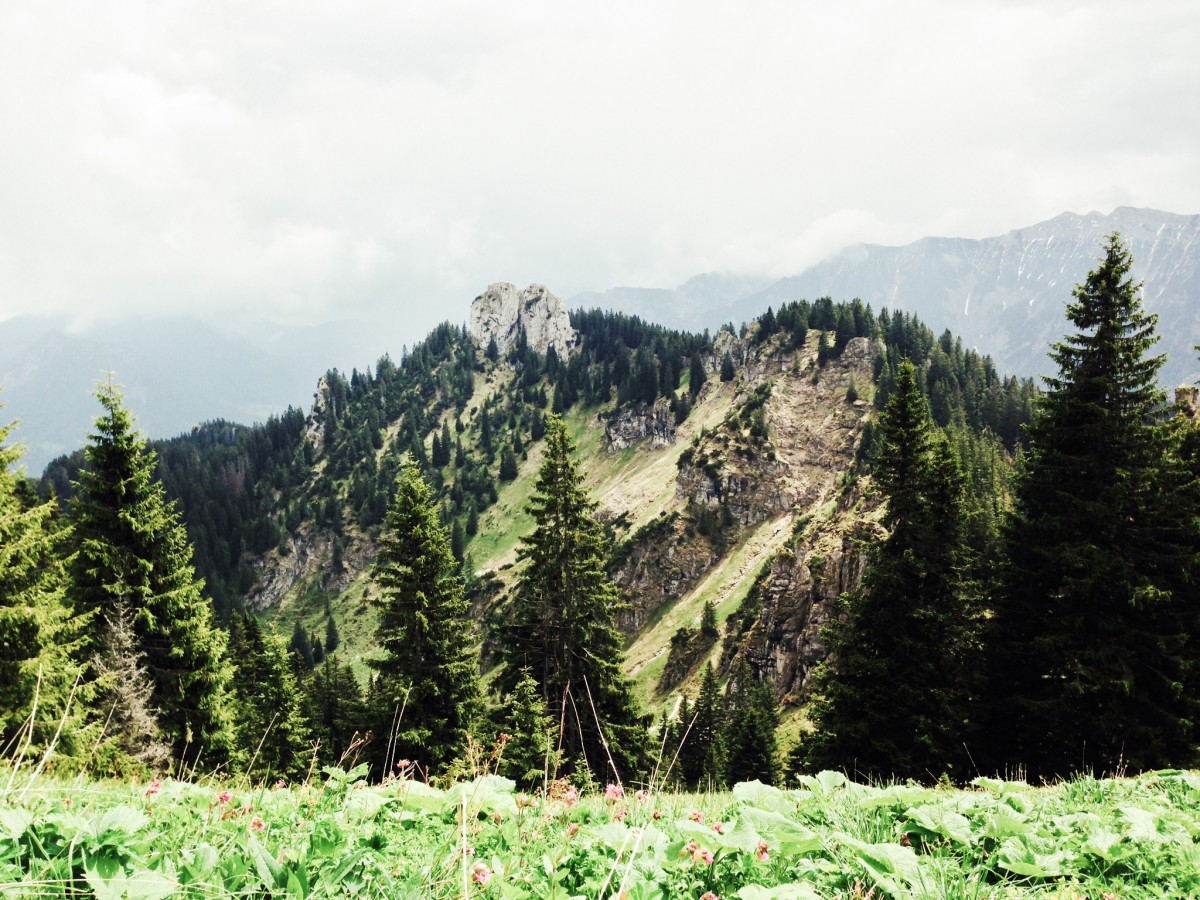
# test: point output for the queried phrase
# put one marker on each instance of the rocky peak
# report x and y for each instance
(502, 313)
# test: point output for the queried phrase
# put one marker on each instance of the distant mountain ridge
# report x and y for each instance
(1004, 295)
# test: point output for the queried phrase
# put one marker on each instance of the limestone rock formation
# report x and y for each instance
(639, 422)
(502, 312)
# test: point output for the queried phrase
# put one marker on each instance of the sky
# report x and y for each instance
(307, 161)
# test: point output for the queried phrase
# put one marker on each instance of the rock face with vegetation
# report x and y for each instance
(653, 423)
(502, 312)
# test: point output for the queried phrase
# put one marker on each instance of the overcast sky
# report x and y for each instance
(313, 160)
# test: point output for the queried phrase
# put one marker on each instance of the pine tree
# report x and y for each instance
(272, 732)
(700, 755)
(429, 669)
(748, 737)
(39, 635)
(300, 649)
(1089, 645)
(130, 545)
(457, 540)
(332, 638)
(530, 752)
(336, 711)
(696, 375)
(562, 625)
(508, 464)
(727, 370)
(132, 737)
(893, 695)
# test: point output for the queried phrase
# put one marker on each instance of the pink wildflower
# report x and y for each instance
(572, 828)
(703, 855)
(481, 874)
(280, 784)
(613, 792)
(709, 895)
(696, 816)
(257, 824)
(762, 852)
(620, 816)
(154, 788)
(570, 795)
(224, 797)
(642, 796)
(468, 850)
(719, 827)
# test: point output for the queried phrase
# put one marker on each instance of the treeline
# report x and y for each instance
(1076, 646)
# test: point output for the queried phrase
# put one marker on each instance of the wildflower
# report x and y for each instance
(503, 739)
(696, 816)
(245, 809)
(280, 784)
(701, 854)
(524, 801)
(257, 823)
(613, 792)
(642, 796)
(620, 816)
(224, 797)
(572, 828)
(657, 814)
(719, 827)
(468, 850)
(570, 795)
(481, 874)
(154, 788)
(762, 852)
(709, 895)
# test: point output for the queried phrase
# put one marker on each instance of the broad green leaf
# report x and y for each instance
(934, 821)
(1003, 821)
(1104, 843)
(1143, 825)
(265, 863)
(14, 823)
(998, 787)
(145, 884)
(364, 805)
(825, 783)
(614, 834)
(420, 796)
(1018, 856)
(101, 869)
(780, 833)
(763, 796)
(118, 821)
(894, 867)
(779, 892)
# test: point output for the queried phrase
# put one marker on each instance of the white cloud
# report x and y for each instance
(311, 159)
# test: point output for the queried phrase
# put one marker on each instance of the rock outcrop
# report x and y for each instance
(641, 422)
(502, 312)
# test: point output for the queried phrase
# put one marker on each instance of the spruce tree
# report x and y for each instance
(748, 736)
(727, 369)
(893, 695)
(336, 712)
(39, 634)
(272, 731)
(696, 375)
(529, 754)
(428, 676)
(562, 628)
(130, 546)
(1089, 649)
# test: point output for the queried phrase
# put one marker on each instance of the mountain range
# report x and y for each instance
(1004, 296)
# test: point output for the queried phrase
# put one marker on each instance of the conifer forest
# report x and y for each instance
(821, 605)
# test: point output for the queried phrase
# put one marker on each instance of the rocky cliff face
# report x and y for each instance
(502, 312)
(654, 424)
(795, 600)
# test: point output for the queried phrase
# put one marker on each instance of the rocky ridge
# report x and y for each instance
(502, 313)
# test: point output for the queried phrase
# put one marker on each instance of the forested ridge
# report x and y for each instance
(1034, 562)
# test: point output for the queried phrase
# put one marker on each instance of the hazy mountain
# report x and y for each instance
(176, 372)
(1003, 295)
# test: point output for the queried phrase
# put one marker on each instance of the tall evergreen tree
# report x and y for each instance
(893, 696)
(748, 736)
(336, 710)
(696, 375)
(530, 753)
(130, 545)
(1089, 645)
(429, 669)
(700, 754)
(38, 630)
(562, 626)
(272, 732)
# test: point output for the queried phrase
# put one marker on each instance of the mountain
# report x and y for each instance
(726, 469)
(1002, 295)
(176, 372)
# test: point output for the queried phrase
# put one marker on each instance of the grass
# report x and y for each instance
(824, 837)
